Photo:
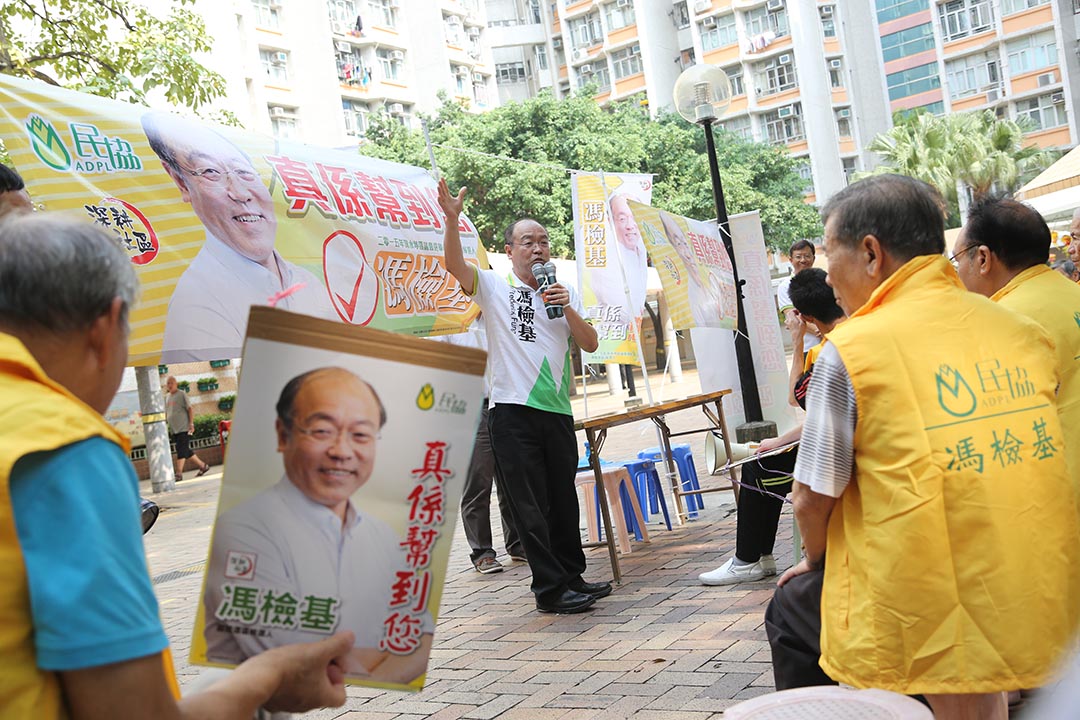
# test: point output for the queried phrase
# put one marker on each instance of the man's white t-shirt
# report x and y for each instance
(528, 354)
(476, 338)
(783, 301)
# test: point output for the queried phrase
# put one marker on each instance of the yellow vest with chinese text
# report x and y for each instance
(951, 556)
(36, 415)
(1053, 300)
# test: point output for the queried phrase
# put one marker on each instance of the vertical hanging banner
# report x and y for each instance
(611, 259)
(694, 268)
(347, 457)
(216, 220)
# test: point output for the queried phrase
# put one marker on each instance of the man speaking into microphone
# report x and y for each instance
(530, 319)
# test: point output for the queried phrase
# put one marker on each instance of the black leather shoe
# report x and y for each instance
(597, 590)
(566, 604)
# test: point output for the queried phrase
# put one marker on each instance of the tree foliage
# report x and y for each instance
(485, 153)
(974, 152)
(113, 48)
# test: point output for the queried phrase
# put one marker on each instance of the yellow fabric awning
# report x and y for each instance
(1063, 174)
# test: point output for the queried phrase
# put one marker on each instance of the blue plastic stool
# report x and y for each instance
(684, 462)
(646, 482)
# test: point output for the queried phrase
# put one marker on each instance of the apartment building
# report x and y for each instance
(314, 70)
(820, 77)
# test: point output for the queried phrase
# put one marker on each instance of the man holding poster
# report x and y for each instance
(300, 559)
(530, 420)
(237, 266)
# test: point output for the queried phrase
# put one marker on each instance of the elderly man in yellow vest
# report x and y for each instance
(80, 634)
(1002, 253)
(931, 464)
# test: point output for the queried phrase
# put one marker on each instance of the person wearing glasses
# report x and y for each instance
(237, 265)
(529, 416)
(304, 537)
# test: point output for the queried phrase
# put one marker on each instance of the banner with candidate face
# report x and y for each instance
(694, 268)
(611, 259)
(217, 219)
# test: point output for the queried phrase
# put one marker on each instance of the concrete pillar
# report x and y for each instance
(671, 343)
(152, 407)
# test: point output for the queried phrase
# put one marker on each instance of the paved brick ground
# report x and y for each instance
(661, 646)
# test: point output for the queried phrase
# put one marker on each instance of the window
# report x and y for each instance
(765, 20)
(454, 30)
(960, 18)
(722, 35)
(828, 22)
(534, 12)
(804, 171)
(541, 57)
(462, 77)
(586, 31)
(913, 81)
(480, 93)
(776, 75)
(343, 14)
(284, 123)
(267, 15)
(907, 42)
(836, 72)
(849, 169)
(390, 62)
(891, 9)
(598, 73)
(355, 117)
(1014, 6)
(510, 72)
(351, 68)
(740, 126)
(275, 64)
(626, 61)
(619, 17)
(383, 12)
(681, 16)
(972, 74)
(784, 125)
(1032, 52)
(734, 75)
(843, 122)
(1044, 111)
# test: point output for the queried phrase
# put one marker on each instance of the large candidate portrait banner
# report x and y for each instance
(340, 495)
(694, 268)
(611, 259)
(216, 220)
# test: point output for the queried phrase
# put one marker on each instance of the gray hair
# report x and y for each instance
(905, 215)
(60, 274)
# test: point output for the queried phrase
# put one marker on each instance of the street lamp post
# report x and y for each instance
(702, 94)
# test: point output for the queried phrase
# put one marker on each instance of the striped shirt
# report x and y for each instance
(826, 460)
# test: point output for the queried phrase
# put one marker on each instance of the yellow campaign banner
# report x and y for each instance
(694, 268)
(612, 261)
(217, 219)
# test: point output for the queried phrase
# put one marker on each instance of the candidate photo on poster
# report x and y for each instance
(626, 256)
(237, 265)
(711, 300)
(301, 558)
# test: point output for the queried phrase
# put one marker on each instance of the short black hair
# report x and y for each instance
(508, 233)
(812, 296)
(10, 180)
(1013, 231)
(802, 245)
(292, 388)
(905, 215)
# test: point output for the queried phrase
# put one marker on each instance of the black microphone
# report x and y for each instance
(545, 277)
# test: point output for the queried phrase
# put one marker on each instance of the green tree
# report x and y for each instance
(513, 161)
(113, 48)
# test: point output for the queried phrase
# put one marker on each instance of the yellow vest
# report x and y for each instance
(1053, 300)
(952, 554)
(36, 415)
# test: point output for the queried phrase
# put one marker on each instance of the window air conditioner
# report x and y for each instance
(786, 111)
(579, 53)
(396, 109)
(343, 47)
(709, 22)
(774, 5)
(623, 3)
(556, 43)
(478, 79)
(843, 113)
(1057, 98)
(702, 6)
(454, 20)
(826, 10)
(277, 111)
(784, 59)
(635, 49)
(397, 56)
(474, 33)
(279, 58)
(339, 28)
(585, 69)
(1046, 79)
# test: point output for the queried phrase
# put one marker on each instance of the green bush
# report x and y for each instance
(207, 425)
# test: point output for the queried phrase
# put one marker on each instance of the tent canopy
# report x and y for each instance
(1056, 190)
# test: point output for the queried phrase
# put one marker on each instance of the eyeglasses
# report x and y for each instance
(802, 258)
(215, 177)
(530, 244)
(324, 435)
(955, 262)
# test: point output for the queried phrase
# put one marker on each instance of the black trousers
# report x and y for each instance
(758, 515)
(536, 461)
(793, 624)
(476, 500)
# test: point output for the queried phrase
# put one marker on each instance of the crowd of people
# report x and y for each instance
(934, 485)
